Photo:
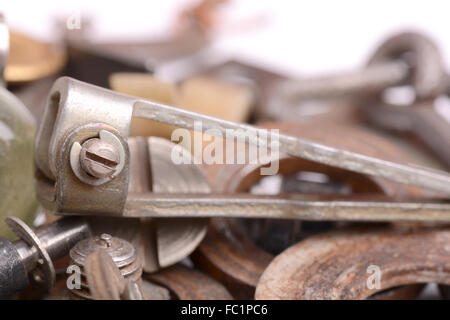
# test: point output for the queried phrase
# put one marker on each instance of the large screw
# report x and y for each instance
(99, 158)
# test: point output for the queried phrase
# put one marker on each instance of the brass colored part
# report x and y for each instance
(30, 59)
(215, 97)
(204, 94)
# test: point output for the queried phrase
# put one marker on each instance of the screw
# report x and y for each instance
(99, 158)
(106, 239)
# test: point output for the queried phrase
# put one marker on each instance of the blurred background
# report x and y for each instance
(294, 37)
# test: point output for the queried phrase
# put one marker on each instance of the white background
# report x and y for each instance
(296, 37)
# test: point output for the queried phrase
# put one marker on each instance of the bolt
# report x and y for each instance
(99, 158)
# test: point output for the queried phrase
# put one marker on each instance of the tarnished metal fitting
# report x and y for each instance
(123, 254)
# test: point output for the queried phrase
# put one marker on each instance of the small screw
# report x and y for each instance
(106, 239)
(99, 158)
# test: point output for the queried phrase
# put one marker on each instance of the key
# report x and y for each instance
(420, 119)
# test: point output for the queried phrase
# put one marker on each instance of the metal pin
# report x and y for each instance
(297, 147)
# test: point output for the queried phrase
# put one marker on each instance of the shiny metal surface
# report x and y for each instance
(34, 252)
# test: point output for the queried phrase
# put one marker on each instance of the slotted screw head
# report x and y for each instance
(99, 158)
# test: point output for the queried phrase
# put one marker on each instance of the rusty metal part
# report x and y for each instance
(151, 291)
(161, 242)
(99, 272)
(230, 257)
(30, 59)
(190, 284)
(408, 292)
(335, 265)
(228, 252)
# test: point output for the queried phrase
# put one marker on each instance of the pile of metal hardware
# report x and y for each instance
(94, 206)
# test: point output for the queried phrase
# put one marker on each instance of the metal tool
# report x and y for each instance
(34, 252)
(77, 112)
(338, 264)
